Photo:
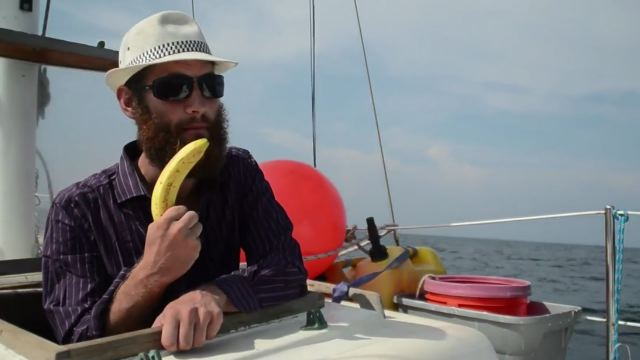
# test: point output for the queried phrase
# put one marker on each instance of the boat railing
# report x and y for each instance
(610, 255)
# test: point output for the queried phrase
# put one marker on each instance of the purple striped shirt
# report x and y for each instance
(96, 231)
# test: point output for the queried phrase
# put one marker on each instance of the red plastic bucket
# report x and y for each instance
(499, 295)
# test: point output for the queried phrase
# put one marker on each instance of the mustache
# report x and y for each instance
(185, 122)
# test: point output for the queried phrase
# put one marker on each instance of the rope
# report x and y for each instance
(312, 56)
(375, 116)
(620, 218)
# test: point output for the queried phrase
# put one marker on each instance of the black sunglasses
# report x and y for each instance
(176, 87)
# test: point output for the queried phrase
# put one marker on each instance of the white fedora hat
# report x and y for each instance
(162, 37)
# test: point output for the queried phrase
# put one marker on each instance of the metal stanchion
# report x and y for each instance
(610, 253)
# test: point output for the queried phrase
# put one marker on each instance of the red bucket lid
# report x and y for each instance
(477, 286)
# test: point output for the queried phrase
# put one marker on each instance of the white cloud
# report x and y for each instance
(571, 47)
(287, 139)
(259, 33)
(543, 45)
(455, 170)
(94, 21)
(444, 187)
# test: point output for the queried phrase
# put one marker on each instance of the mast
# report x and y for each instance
(18, 111)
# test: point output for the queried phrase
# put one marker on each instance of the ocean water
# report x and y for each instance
(559, 273)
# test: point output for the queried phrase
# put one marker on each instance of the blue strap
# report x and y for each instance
(620, 218)
(341, 291)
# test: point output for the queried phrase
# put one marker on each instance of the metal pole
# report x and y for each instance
(610, 251)
(18, 113)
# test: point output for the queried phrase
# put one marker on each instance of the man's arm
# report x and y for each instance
(76, 287)
(275, 271)
(219, 297)
(81, 300)
(134, 302)
(171, 247)
(275, 274)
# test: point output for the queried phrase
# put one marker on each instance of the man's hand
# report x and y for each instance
(190, 320)
(172, 244)
(171, 248)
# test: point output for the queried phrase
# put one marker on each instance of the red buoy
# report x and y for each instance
(314, 207)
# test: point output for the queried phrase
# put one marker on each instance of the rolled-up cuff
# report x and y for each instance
(238, 291)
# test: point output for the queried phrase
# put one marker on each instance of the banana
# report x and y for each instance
(166, 189)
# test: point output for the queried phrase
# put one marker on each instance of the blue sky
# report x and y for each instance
(487, 108)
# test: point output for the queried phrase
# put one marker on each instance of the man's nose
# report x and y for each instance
(196, 104)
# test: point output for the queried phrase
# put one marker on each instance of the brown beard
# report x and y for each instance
(160, 141)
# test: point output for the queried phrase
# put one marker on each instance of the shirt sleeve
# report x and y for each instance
(275, 271)
(76, 288)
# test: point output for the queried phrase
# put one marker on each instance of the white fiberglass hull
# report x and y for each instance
(353, 333)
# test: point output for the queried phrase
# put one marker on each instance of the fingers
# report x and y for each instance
(158, 321)
(214, 325)
(186, 330)
(189, 320)
(189, 225)
(188, 219)
(169, 338)
(200, 330)
(173, 213)
(182, 220)
(195, 230)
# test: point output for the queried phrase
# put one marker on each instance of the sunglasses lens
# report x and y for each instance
(211, 85)
(172, 87)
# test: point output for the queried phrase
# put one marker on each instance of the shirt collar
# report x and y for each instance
(128, 182)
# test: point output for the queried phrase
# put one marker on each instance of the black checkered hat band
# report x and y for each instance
(171, 48)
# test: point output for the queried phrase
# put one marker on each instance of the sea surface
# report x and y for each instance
(559, 273)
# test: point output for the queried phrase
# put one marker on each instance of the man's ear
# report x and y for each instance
(127, 101)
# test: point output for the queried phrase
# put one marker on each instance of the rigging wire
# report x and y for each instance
(46, 173)
(43, 83)
(46, 18)
(312, 65)
(193, 11)
(45, 22)
(375, 116)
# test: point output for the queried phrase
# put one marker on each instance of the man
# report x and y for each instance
(108, 268)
